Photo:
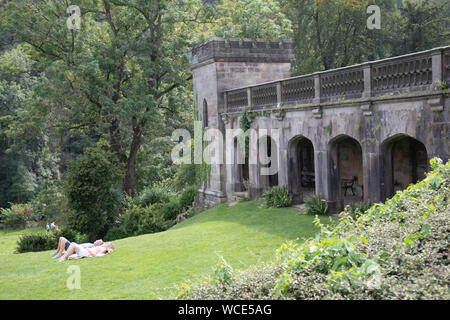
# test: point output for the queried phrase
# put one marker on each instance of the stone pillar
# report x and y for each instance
(321, 166)
(367, 81)
(253, 166)
(282, 156)
(229, 166)
(372, 177)
(317, 92)
(436, 60)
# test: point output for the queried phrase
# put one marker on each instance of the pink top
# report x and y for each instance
(96, 250)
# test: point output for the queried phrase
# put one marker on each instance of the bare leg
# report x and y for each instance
(73, 248)
(61, 245)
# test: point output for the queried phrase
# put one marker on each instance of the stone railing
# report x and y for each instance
(417, 72)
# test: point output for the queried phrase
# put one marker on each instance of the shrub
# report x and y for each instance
(89, 186)
(315, 205)
(397, 250)
(187, 197)
(356, 209)
(187, 175)
(47, 241)
(50, 204)
(277, 197)
(17, 216)
(150, 219)
(36, 242)
(171, 209)
(115, 233)
(152, 195)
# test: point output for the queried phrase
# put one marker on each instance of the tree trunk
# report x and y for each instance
(129, 179)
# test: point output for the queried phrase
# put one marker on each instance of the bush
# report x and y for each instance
(171, 209)
(397, 250)
(138, 220)
(356, 209)
(36, 242)
(90, 183)
(50, 204)
(315, 205)
(16, 217)
(115, 233)
(187, 197)
(153, 194)
(187, 175)
(277, 197)
(47, 241)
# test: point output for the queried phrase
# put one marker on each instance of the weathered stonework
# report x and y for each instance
(365, 122)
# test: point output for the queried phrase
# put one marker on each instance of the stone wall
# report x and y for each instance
(373, 104)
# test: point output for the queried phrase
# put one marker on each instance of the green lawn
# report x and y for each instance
(148, 266)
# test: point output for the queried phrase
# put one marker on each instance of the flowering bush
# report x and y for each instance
(396, 250)
(16, 217)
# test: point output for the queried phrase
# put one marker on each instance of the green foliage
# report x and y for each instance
(138, 220)
(89, 189)
(187, 197)
(244, 123)
(333, 33)
(154, 194)
(115, 233)
(315, 205)
(187, 175)
(50, 204)
(47, 241)
(277, 197)
(356, 209)
(36, 242)
(254, 19)
(15, 217)
(397, 250)
(171, 209)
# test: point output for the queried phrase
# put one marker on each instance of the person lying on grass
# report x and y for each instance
(63, 244)
(75, 251)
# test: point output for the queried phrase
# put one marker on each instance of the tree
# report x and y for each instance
(89, 186)
(423, 25)
(252, 19)
(117, 73)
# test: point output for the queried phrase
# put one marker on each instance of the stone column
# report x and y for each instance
(321, 166)
(317, 92)
(367, 81)
(282, 155)
(436, 60)
(253, 166)
(372, 176)
(230, 176)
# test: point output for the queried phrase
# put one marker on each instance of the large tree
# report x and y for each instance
(117, 73)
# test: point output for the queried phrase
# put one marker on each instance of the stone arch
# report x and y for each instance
(404, 161)
(301, 168)
(346, 179)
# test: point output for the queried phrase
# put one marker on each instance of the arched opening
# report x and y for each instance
(405, 161)
(302, 176)
(241, 167)
(205, 114)
(346, 172)
(271, 167)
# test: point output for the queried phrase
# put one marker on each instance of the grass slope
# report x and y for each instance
(148, 266)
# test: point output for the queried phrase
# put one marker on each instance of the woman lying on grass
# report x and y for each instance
(75, 251)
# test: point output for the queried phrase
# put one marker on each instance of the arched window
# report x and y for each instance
(205, 113)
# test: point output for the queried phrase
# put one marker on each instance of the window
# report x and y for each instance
(205, 114)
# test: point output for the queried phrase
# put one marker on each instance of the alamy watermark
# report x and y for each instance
(209, 146)
(73, 282)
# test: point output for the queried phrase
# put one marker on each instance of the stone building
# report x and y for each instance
(352, 134)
